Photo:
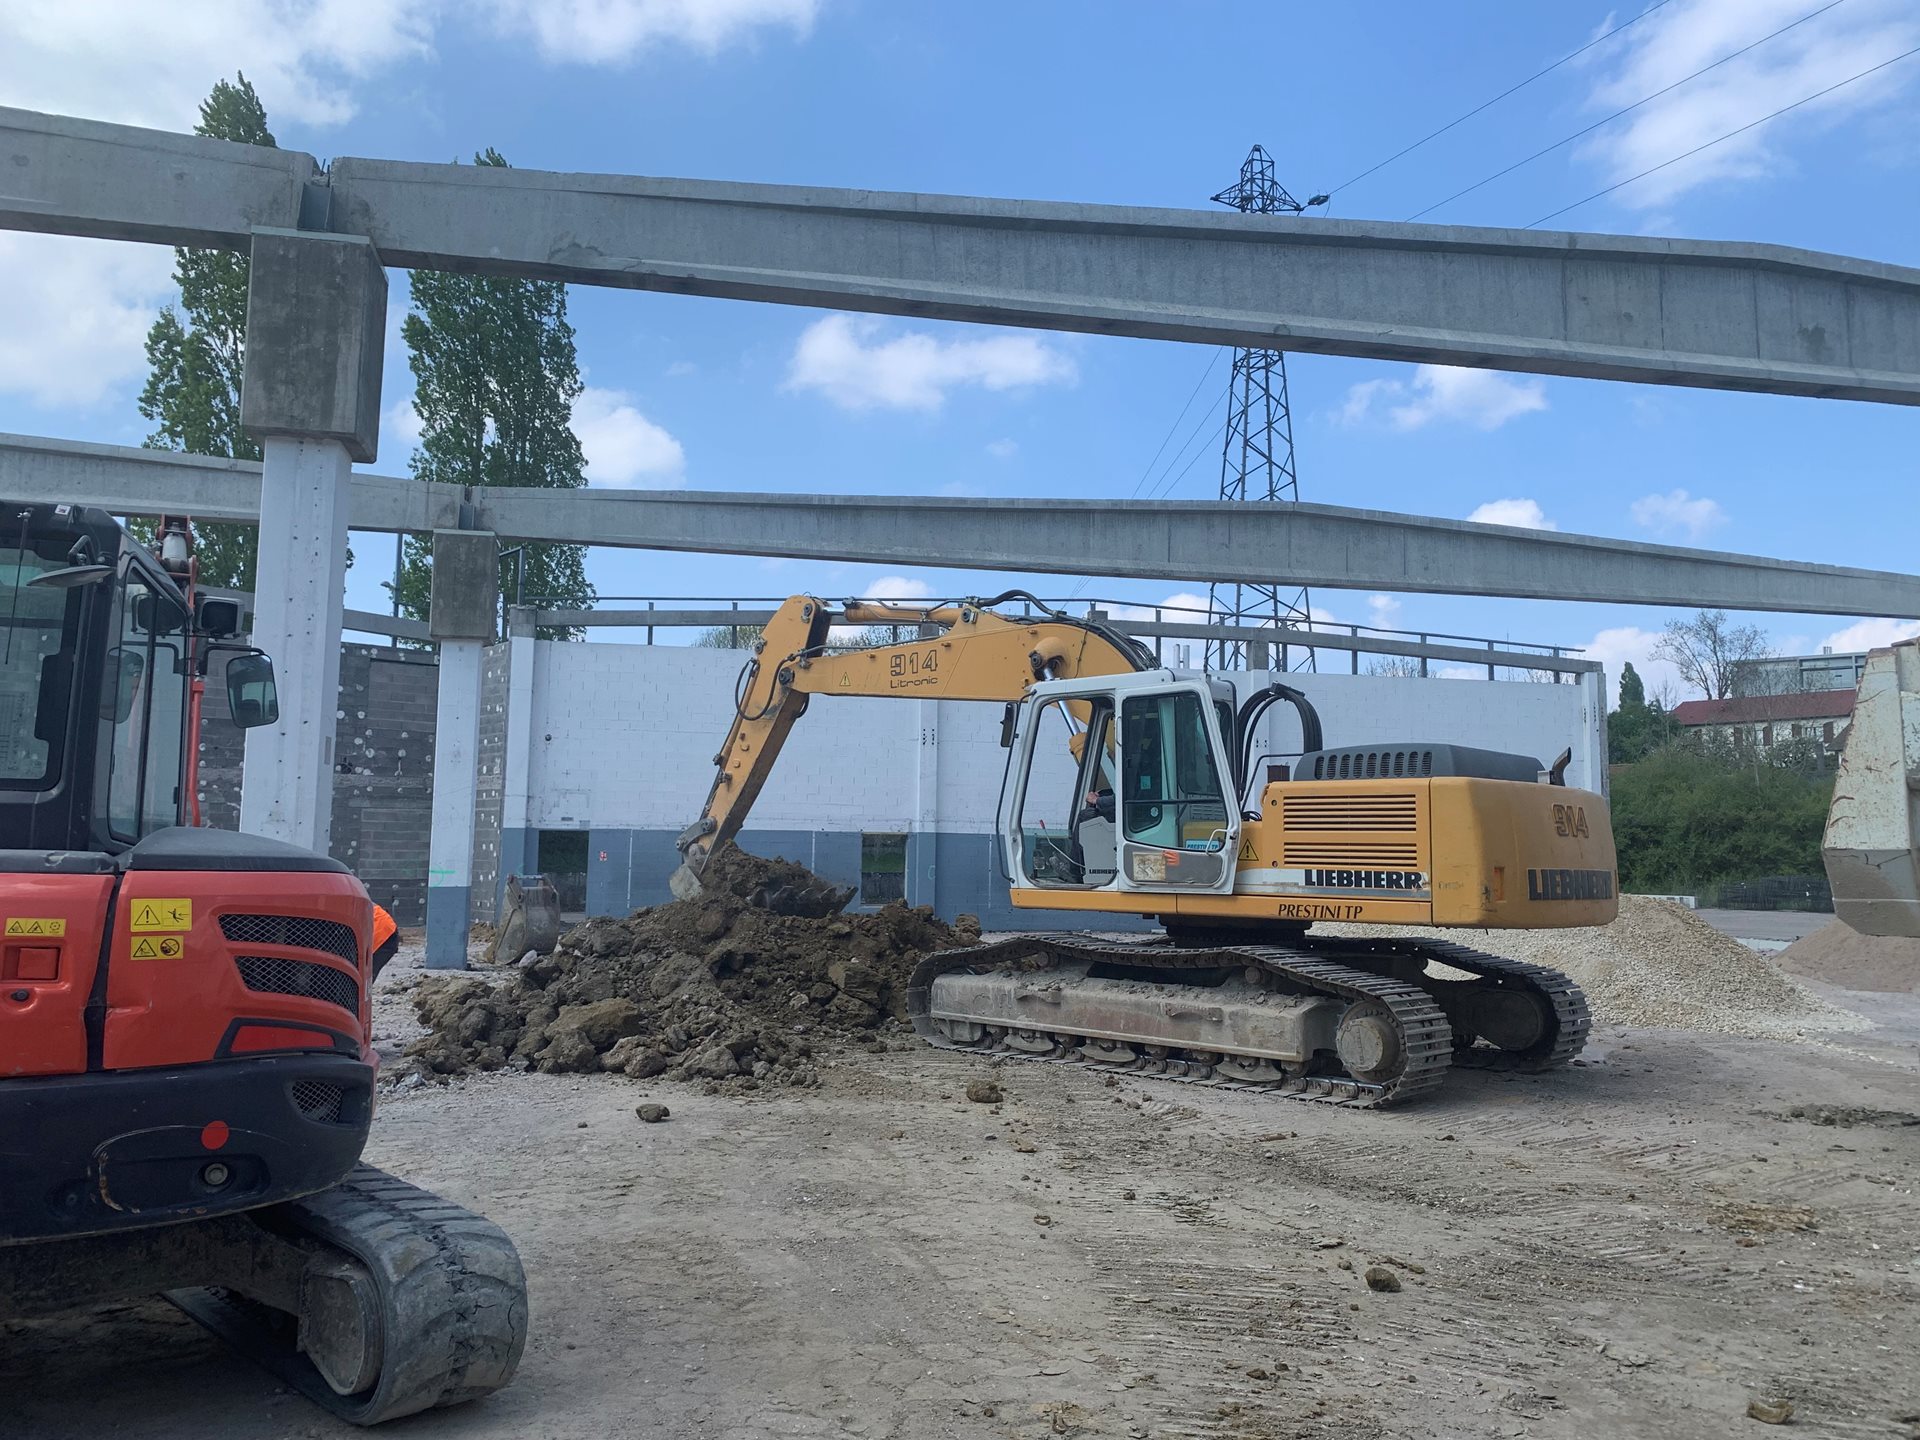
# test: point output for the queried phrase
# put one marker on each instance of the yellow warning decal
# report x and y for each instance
(24, 925)
(159, 947)
(1247, 852)
(161, 915)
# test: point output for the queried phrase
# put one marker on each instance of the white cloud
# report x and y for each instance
(1522, 513)
(399, 431)
(1684, 37)
(846, 359)
(1871, 635)
(142, 63)
(74, 315)
(1628, 644)
(1382, 611)
(1484, 399)
(1183, 607)
(610, 32)
(1677, 514)
(896, 587)
(1003, 449)
(681, 368)
(624, 449)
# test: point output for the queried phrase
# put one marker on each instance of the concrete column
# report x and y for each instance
(1593, 710)
(923, 838)
(316, 322)
(516, 836)
(288, 789)
(466, 582)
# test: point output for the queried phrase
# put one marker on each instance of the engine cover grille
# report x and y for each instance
(276, 975)
(302, 933)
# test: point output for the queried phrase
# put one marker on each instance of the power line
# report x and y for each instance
(1660, 4)
(1729, 135)
(1213, 363)
(1645, 99)
(1170, 479)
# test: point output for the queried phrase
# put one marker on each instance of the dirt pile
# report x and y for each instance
(713, 989)
(1836, 955)
(1658, 964)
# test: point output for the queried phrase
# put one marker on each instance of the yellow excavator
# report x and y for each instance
(1136, 790)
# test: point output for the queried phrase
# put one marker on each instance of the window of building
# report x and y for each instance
(883, 867)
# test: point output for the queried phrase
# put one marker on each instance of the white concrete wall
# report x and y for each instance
(623, 736)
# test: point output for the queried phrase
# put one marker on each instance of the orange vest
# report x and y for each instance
(383, 927)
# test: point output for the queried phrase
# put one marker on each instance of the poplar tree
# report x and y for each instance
(196, 352)
(495, 375)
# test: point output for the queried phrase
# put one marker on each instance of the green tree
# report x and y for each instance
(1692, 815)
(495, 375)
(195, 354)
(1639, 726)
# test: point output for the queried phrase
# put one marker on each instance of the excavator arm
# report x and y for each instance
(962, 651)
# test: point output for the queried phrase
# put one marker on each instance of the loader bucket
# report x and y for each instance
(529, 921)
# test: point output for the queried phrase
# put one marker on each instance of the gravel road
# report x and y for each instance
(1639, 1246)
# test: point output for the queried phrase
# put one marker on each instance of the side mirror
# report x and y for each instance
(252, 697)
(217, 618)
(1009, 719)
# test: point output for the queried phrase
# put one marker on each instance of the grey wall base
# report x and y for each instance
(954, 873)
(447, 910)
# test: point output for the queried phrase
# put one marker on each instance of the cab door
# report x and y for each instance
(1179, 825)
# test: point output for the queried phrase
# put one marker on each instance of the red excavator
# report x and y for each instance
(186, 1064)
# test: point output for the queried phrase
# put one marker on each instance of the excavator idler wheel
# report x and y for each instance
(1368, 1043)
(1249, 1070)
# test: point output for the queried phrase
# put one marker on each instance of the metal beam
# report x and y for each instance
(1300, 636)
(1191, 540)
(1679, 312)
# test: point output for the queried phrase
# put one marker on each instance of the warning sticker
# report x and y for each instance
(161, 915)
(1247, 852)
(24, 925)
(159, 947)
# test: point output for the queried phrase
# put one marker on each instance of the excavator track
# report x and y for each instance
(445, 1311)
(1563, 1017)
(1424, 1040)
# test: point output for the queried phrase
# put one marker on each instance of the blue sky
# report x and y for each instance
(1128, 104)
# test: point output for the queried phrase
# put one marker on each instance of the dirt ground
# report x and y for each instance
(1637, 1246)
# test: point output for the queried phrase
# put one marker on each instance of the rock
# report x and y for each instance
(1255, 1372)
(621, 1053)
(650, 1113)
(1328, 1242)
(1344, 1264)
(1380, 1278)
(1043, 1220)
(600, 1022)
(647, 1064)
(984, 1092)
(716, 1062)
(567, 1053)
(1618, 1353)
(1770, 1412)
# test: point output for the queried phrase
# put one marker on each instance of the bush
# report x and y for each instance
(1689, 817)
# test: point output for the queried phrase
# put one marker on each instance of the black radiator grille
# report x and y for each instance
(275, 975)
(328, 936)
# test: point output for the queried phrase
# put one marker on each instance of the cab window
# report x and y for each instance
(1172, 788)
(143, 698)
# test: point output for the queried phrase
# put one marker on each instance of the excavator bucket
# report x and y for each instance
(529, 921)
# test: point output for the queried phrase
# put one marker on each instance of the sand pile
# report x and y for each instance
(1835, 955)
(1660, 965)
(713, 989)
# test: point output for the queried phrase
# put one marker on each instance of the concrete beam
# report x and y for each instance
(1328, 546)
(1679, 312)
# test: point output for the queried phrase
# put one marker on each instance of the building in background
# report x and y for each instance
(1768, 722)
(1799, 674)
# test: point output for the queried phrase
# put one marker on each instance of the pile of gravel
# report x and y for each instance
(1836, 955)
(1661, 966)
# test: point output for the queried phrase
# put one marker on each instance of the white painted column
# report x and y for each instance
(1593, 711)
(299, 593)
(516, 764)
(456, 763)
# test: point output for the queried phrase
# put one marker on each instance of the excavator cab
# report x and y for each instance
(1119, 783)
